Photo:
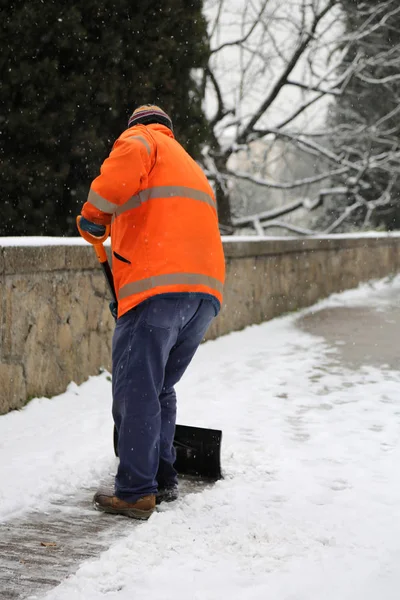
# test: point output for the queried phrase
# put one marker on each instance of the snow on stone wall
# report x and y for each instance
(56, 326)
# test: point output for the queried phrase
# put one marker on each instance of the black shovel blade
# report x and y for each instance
(198, 451)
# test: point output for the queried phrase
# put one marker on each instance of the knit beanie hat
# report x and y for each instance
(149, 113)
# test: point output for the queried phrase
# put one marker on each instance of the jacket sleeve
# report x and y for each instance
(122, 175)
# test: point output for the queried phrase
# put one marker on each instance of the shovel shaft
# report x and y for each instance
(101, 254)
(108, 275)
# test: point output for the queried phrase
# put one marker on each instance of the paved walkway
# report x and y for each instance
(40, 550)
(363, 335)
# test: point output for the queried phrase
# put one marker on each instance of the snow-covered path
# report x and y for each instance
(309, 507)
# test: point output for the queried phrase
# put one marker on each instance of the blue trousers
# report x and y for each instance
(152, 346)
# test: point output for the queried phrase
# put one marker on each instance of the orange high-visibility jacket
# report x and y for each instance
(162, 210)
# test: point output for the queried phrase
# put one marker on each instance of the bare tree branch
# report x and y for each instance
(286, 186)
(288, 226)
(345, 215)
(307, 37)
(307, 203)
(271, 214)
(221, 110)
(382, 81)
(315, 61)
(310, 88)
(242, 40)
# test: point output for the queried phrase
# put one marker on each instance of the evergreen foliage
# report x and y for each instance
(72, 73)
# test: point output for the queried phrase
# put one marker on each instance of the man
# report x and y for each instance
(169, 270)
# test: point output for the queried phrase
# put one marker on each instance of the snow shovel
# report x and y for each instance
(198, 450)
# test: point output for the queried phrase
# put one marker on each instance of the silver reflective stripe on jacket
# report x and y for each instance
(161, 191)
(143, 285)
(101, 203)
(164, 191)
(141, 139)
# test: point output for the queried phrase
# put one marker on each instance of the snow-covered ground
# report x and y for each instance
(309, 507)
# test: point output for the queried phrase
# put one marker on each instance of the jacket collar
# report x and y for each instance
(161, 129)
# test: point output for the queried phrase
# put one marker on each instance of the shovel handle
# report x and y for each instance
(92, 239)
(97, 243)
(109, 277)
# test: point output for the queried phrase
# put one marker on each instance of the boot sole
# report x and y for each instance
(132, 513)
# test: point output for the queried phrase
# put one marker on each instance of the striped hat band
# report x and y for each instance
(149, 113)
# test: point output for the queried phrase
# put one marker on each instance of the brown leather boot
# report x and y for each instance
(106, 501)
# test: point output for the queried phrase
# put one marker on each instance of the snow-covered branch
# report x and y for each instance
(286, 185)
(278, 70)
(306, 37)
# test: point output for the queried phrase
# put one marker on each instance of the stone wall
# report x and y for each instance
(55, 323)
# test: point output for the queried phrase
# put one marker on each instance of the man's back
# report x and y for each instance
(164, 234)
